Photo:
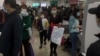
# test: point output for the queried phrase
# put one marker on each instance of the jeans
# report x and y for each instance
(74, 40)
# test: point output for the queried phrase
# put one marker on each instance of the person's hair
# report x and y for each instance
(98, 14)
(12, 3)
(24, 6)
(75, 14)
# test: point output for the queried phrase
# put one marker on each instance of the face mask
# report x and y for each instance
(53, 12)
(24, 12)
(78, 14)
(42, 16)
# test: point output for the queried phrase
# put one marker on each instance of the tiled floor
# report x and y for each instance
(45, 51)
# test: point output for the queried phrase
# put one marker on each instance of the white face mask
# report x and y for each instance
(78, 14)
(53, 12)
(42, 16)
(24, 12)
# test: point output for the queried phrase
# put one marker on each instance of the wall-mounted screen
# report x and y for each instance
(43, 4)
(36, 4)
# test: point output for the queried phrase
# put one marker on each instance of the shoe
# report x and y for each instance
(55, 53)
(40, 47)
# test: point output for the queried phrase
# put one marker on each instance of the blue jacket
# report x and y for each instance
(73, 23)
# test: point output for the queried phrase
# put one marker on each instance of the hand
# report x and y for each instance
(59, 25)
(19, 53)
(80, 26)
(31, 40)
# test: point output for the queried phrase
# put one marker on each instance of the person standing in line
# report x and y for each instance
(12, 33)
(27, 36)
(43, 27)
(55, 20)
(94, 48)
(74, 31)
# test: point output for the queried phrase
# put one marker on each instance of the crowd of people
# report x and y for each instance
(17, 21)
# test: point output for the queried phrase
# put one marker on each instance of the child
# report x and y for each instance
(42, 27)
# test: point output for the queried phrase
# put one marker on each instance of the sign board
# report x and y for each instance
(57, 35)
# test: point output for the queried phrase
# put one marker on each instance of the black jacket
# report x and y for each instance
(11, 38)
(94, 49)
(39, 25)
(55, 20)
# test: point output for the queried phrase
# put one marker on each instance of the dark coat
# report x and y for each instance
(94, 48)
(39, 24)
(27, 21)
(12, 33)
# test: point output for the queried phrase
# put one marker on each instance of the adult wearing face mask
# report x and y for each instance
(74, 31)
(94, 48)
(55, 20)
(11, 37)
(26, 18)
(43, 27)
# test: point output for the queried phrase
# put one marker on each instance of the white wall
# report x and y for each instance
(1, 4)
(29, 2)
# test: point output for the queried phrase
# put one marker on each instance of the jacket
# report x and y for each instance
(73, 23)
(26, 24)
(11, 37)
(94, 48)
(43, 24)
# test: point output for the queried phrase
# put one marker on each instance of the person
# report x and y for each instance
(2, 19)
(74, 30)
(94, 48)
(55, 20)
(11, 37)
(27, 36)
(43, 27)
